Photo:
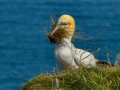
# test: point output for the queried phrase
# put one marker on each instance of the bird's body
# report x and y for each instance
(70, 57)
(65, 53)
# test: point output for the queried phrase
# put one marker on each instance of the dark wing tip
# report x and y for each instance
(102, 63)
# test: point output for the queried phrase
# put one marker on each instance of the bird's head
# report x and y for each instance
(64, 28)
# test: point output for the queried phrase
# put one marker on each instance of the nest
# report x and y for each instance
(58, 35)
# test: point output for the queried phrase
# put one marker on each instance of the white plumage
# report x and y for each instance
(70, 57)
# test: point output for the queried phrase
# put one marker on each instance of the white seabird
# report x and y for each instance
(65, 53)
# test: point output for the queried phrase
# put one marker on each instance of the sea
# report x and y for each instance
(25, 50)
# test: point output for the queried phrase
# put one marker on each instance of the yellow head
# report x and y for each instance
(67, 23)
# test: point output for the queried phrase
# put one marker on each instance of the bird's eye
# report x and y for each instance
(63, 23)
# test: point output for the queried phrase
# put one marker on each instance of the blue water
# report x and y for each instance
(25, 51)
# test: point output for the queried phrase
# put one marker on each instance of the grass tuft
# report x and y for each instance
(97, 78)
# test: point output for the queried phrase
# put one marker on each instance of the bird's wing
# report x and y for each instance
(84, 58)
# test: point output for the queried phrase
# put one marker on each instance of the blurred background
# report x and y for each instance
(25, 50)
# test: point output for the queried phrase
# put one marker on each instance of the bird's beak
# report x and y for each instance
(56, 28)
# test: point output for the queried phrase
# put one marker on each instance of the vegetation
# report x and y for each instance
(99, 78)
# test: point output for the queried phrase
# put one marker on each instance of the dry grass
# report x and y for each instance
(58, 35)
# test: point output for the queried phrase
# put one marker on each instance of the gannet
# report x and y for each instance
(65, 52)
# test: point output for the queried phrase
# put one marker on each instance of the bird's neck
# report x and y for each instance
(65, 41)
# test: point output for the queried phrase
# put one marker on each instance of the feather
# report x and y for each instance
(57, 84)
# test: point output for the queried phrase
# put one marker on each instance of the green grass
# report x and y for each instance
(96, 78)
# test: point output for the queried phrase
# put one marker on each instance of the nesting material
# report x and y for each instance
(58, 35)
